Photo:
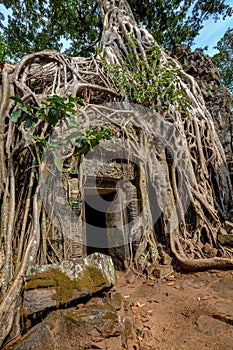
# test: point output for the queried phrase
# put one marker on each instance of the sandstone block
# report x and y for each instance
(58, 284)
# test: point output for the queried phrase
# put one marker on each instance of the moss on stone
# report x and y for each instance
(97, 277)
(89, 281)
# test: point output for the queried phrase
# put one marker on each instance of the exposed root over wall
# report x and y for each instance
(184, 172)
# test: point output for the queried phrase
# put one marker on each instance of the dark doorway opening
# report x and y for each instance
(96, 207)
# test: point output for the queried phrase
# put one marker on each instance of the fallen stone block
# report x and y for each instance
(58, 284)
(163, 271)
(78, 329)
(38, 338)
(209, 325)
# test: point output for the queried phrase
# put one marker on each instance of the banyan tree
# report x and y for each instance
(115, 153)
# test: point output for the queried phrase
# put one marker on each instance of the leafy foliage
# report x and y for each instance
(224, 59)
(5, 50)
(176, 21)
(54, 110)
(36, 25)
(148, 83)
(86, 141)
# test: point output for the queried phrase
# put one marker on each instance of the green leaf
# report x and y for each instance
(16, 115)
(57, 143)
(99, 137)
(53, 116)
(71, 201)
(79, 142)
(29, 122)
(39, 140)
(73, 124)
(32, 137)
(79, 100)
(17, 99)
(58, 162)
(73, 135)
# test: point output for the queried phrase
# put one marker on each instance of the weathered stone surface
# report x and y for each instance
(39, 338)
(166, 259)
(114, 299)
(209, 325)
(87, 328)
(111, 170)
(36, 300)
(225, 239)
(54, 285)
(117, 231)
(223, 293)
(209, 251)
(162, 271)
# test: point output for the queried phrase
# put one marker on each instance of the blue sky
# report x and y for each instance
(212, 32)
(209, 35)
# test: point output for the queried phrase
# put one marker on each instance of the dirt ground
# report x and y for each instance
(186, 311)
(181, 311)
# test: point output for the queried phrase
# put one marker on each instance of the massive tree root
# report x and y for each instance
(183, 168)
(203, 167)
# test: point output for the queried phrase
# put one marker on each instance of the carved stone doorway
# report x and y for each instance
(108, 208)
(106, 218)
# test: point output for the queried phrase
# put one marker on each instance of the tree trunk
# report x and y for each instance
(183, 182)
